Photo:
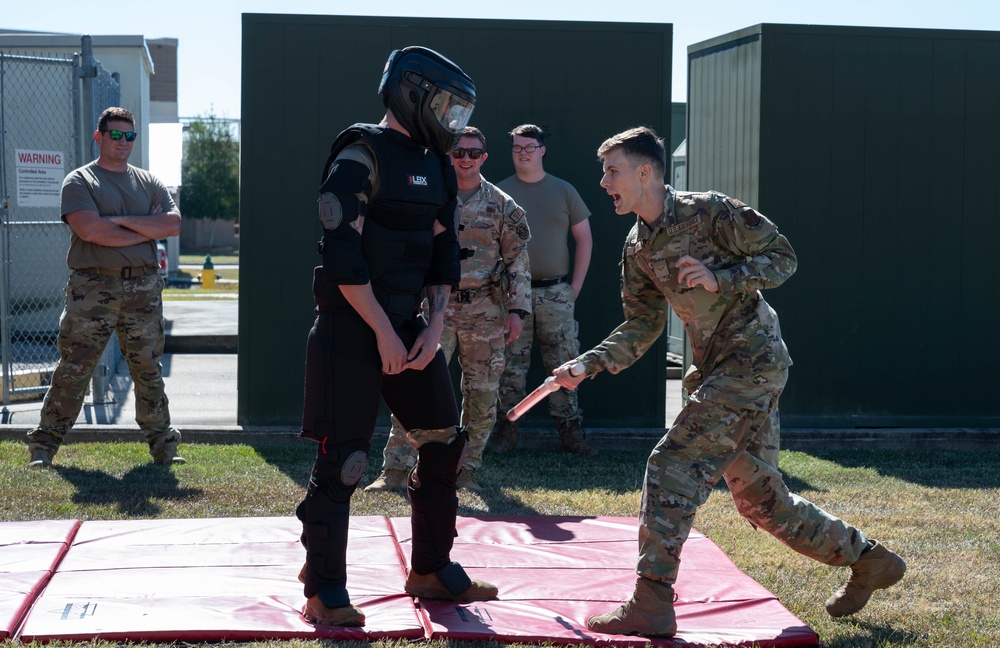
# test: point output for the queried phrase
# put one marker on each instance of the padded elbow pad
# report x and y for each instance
(445, 268)
(343, 262)
(339, 201)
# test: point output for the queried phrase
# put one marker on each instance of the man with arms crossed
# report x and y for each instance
(116, 212)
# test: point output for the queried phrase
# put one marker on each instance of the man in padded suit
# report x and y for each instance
(387, 205)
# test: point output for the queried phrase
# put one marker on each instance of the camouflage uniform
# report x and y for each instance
(552, 321)
(553, 207)
(97, 306)
(493, 235)
(111, 289)
(728, 428)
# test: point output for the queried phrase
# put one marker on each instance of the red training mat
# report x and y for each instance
(29, 552)
(556, 572)
(212, 580)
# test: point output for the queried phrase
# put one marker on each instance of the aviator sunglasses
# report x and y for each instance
(474, 153)
(117, 135)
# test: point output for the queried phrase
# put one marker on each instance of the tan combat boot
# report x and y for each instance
(166, 455)
(649, 612)
(429, 586)
(41, 455)
(504, 439)
(467, 480)
(877, 568)
(572, 439)
(389, 480)
(316, 612)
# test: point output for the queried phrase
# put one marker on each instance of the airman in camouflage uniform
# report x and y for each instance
(555, 211)
(483, 314)
(115, 212)
(708, 256)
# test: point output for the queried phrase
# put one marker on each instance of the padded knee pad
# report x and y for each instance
(338, 469)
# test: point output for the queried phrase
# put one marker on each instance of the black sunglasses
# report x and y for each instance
(474, 153)
(117, 135)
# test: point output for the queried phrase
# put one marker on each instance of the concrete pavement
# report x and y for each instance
(199, 372)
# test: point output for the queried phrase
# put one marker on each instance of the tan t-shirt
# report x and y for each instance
(551, 207)
(132, 192)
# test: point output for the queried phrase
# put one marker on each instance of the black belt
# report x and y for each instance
(466, 296)
(545, 283)
(124, 273)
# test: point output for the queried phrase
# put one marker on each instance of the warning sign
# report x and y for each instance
(39, 177)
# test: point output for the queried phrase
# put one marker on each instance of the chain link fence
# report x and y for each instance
(48, 108)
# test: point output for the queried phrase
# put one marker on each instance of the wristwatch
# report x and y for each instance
(520, 312)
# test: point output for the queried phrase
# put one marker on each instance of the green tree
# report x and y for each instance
(210, 171)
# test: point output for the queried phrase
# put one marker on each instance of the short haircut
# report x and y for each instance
(472, 131)
(529, 130)
(640, 145)
(115, 113)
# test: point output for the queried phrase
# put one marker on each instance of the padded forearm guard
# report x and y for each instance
(343, 262)
(445, 268)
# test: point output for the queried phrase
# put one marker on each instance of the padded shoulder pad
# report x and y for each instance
(346, 176)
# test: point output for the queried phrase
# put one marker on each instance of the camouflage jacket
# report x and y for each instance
(737, 351)
(492, 229)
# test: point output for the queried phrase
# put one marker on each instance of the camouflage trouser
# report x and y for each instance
(97, 306)
(475, 329)
(551, 321)
(710, 440)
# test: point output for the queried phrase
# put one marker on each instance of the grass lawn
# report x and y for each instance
(940, 509)
(199, 259)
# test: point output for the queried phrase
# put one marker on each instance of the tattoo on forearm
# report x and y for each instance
(437, 298)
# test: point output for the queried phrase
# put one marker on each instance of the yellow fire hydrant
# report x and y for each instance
(208, 273)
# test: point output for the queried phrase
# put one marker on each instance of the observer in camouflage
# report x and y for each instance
(115, 212)
(707, 256)
(493, 235)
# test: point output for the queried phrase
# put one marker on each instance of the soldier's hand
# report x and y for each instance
(692, 272)
(423, 350)
(569, 375)
(511, 328)
(393, 353)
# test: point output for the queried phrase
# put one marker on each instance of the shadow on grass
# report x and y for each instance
(294, 458)
(934, 468)
(621, 470)
(872, 634)
(133, 494)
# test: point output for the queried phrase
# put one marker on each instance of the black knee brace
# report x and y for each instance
(434, 505)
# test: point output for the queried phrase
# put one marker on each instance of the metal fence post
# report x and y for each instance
(5, 378)
(48, 107)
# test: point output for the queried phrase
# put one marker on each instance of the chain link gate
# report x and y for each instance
(48, 108)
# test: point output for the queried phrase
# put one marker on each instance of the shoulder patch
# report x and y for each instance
(751, 218)
(522, 231)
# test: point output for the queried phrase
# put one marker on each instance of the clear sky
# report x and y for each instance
(209, 31)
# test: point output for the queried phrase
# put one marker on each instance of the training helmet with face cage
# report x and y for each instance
(429, 96)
